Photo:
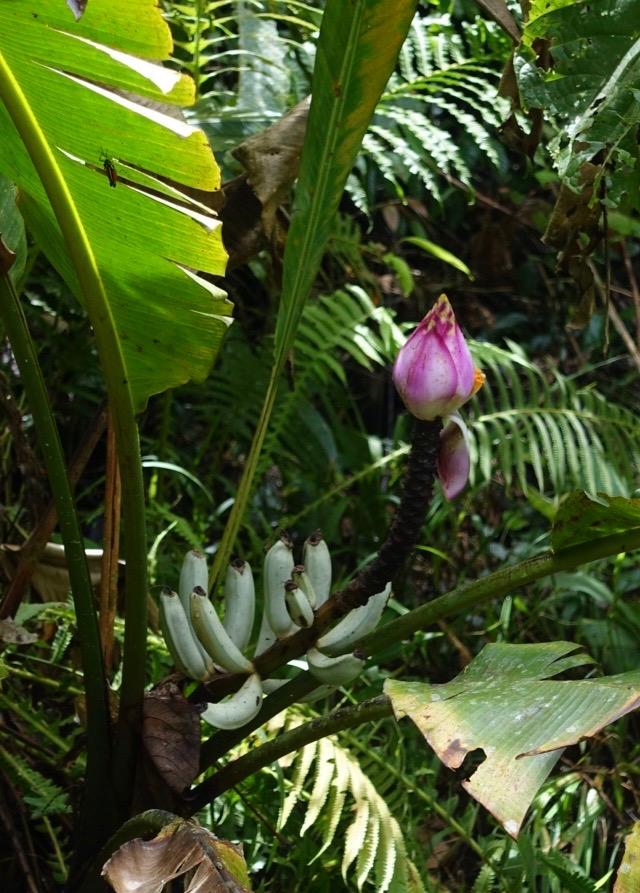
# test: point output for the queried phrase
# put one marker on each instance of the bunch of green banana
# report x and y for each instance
(332, 661)
(202, 644)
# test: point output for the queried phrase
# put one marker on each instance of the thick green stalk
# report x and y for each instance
(495, 585)
(92, 290)
(257, 758)
(356, 54)
(96, 811)
(245, 484)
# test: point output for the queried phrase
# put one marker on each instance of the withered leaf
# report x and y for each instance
(171, 735)
(182, 848)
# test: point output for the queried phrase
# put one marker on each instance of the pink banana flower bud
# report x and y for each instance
(454, 460)
(434, 372)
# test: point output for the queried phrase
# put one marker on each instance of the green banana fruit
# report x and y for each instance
(302, 579)
(188, 655)
(355, 625)
(194, 572)
(317, 565)
(239, 603)
(266, 636)
(237, 710)
(334, 670)
(278, 565)
(214, 636)
(298, 605)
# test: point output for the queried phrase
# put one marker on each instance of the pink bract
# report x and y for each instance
(454, 460)
(434, 372)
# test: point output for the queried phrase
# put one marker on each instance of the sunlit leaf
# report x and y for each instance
(505, 704)
(81, 104)
(582, 518)
(628, 878)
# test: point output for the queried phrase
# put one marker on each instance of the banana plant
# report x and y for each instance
(115, 189)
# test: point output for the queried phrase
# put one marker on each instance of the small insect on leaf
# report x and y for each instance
(111, 172)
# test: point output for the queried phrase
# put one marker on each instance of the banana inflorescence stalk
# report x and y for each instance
(203, 645)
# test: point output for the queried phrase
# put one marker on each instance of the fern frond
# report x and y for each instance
(484, 883)
(42, 796)
(548, 430)
(442, 106)
(373, 842)
(302, 766)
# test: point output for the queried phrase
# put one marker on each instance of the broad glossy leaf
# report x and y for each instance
(505, 704)
(357, 50)
(89, 91)
(582, 518)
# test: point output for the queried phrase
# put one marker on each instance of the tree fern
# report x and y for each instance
(374, 850)
(548, 430)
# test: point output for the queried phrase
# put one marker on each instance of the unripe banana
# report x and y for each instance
(193, 573)
(238, 709)
(278, 564)
(356, 624)
(271, 685)
(317, 564)
(214, 636)
(239, 603)
(266, 636)
(334, 670)
(188, 655)
(298, 605)
(303, 581)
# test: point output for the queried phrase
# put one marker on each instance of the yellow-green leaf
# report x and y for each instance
(77, 94)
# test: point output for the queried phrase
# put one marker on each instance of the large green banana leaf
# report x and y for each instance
(505, 703)
(77, 94)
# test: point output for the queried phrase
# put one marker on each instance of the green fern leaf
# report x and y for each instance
(303, 765)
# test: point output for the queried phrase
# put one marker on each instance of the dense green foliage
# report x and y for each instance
(507, 178)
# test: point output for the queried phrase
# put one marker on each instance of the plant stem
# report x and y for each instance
(91, 287)
(245, 484)
(222, 742)
(495, 585)
(96, 809)
(250, 763)
(401, 537)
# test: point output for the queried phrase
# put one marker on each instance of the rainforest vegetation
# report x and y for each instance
(320, 446)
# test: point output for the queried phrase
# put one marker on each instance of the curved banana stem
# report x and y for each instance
(400, 540)
(237, 770)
